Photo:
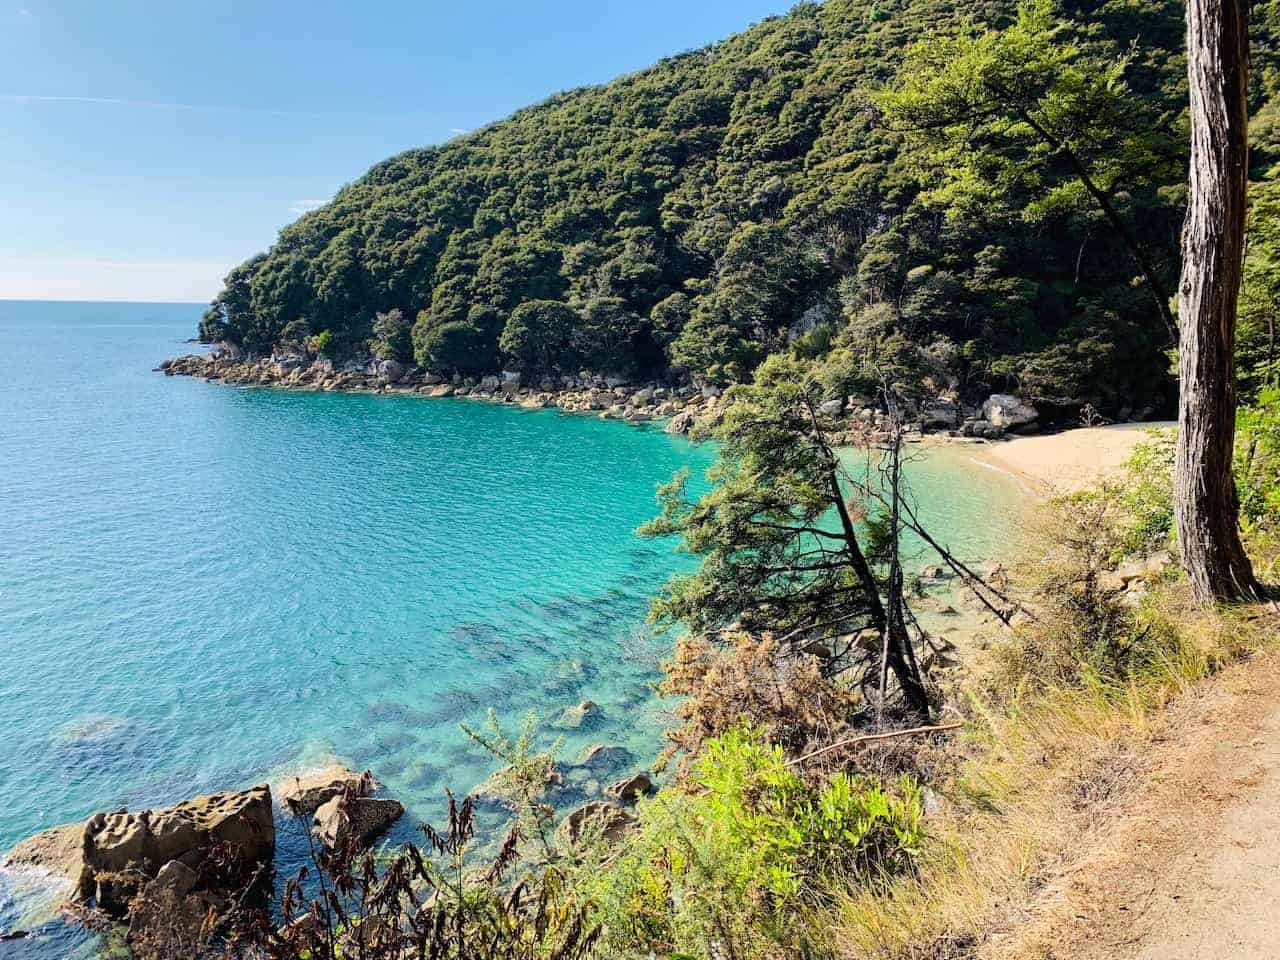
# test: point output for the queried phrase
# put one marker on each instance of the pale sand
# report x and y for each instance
(1064, 462)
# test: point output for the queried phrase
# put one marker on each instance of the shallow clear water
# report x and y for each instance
(204, 587)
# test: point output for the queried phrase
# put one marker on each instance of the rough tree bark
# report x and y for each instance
(1205, 499)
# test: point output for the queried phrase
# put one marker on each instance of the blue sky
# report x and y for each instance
(150, 146)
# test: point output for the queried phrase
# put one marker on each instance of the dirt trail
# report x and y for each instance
(1190, 867)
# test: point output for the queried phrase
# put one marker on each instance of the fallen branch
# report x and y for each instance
(867, 737)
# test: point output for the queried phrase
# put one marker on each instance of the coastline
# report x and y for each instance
(1057, 464)
(608, 398)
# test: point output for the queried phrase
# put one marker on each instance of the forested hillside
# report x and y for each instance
(733, 200)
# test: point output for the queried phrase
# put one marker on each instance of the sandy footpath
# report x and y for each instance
(1063, 462)
(1189, 866)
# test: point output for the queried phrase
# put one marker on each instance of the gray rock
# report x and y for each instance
(681, 423)
(831, 408)
(362, 817)
(390, 371)
(940, 413)
(1006, 411)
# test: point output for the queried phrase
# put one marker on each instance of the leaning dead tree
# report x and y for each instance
(799, 545)
(1212, 256)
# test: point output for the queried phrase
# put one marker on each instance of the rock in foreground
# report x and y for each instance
(364, 818)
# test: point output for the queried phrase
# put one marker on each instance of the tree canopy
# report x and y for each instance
(727, 201)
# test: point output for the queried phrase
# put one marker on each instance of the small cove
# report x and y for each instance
(205, 587)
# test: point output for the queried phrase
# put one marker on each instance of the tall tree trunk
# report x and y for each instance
(1212, 253)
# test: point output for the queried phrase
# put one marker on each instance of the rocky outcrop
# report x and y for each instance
(123, 850)
(364, 818)
(157, 866)
(1006, 412)
(307, 792)
(609, 397)
(57, 853)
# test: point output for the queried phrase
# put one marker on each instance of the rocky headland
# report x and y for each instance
(683, 406)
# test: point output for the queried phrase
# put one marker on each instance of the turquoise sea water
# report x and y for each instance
(205, 587)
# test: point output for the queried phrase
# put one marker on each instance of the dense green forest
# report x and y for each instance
(758, 194)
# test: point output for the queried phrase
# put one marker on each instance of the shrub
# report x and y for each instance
(1257, 462)
(746, 678)
(721, 867)
(325, 345)
(1084, 630)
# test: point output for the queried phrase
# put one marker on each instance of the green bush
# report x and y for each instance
(728, 859)
(325, 345)
(1146, 496)
(1257, 463)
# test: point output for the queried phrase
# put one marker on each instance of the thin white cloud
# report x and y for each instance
(22, 13)
(148, 104)
(459, 130)
(300, 207)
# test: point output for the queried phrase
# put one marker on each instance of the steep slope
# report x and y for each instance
(710, 209)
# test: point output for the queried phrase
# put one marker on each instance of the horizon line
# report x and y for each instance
(4, 299)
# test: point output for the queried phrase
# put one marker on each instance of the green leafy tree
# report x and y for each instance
(1026, 112)
(392, 336)
(780, 541)
(538, 335)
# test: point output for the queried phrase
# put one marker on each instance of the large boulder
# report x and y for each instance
(364, 818)
(1006, 411)
(831, 408)
(681, 423)
(113, 857)
(390, 371)
(122, 849)
(307, 792)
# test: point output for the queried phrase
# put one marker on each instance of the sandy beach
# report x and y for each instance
(1063, 462)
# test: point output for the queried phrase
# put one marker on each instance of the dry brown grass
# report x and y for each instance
(1046, 768)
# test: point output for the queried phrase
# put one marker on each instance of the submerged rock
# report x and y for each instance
(601, 758)
(608, 820)
(584, 713)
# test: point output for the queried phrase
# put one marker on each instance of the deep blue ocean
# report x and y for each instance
(205, 587)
